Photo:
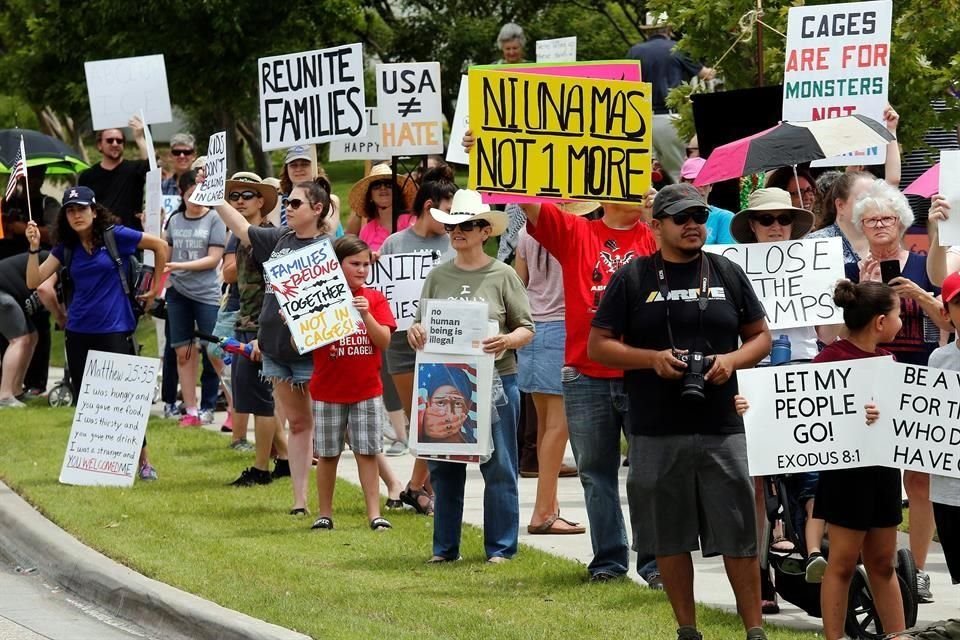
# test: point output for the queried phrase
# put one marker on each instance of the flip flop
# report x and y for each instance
(547, 528)
(412, 497)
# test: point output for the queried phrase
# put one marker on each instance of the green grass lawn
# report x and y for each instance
(239, 548)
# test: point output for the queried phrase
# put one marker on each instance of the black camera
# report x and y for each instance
(697, 365)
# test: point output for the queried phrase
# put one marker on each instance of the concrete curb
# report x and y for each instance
(33, 540)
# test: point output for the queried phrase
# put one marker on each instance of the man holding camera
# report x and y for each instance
(673, 322)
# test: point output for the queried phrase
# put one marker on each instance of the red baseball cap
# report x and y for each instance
(951, 287)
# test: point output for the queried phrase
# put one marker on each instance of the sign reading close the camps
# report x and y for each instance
(838, 64)
(794, 279)
(311, 97)
(411, 114)
(363, 147)
(808, 417)
(121, 87)
(313, 295)
(110, 420)
(214, 185)
(560, 137)
(400, 277)
(557, 50)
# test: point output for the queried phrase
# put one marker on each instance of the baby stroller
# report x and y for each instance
(789, 579)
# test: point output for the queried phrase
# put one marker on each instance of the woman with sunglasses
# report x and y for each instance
(299, 166)
(473, 275)
(307, 209)
(374, 201)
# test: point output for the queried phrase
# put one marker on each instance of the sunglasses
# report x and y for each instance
(113, 140)
(767, 219)
(382, 184)
(700, 217)
(246, 195)
(469, 225)
(181, 152)
(293, 203)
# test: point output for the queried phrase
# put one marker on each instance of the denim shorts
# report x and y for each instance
(184, 315)
(539, 363)
(296, 372)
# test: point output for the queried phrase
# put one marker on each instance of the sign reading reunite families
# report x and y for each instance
(411, 114)
(313, 295)
(794, 279)
(110, 420)
(838, 64)
(122, 87)
(560, 137)
(400, 277)
(211, 191)
(364, 147)
(311, 97)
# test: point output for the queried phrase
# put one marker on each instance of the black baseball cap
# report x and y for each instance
(677, 198)
(78, 195)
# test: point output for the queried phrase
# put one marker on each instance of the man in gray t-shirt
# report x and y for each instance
(190, 240)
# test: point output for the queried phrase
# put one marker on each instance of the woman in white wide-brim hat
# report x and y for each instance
(473, 275)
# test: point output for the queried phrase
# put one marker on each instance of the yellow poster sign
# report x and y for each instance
(551, 137)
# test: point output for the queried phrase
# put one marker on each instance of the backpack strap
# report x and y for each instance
(729, 278)
(110, 242)
(66, 280)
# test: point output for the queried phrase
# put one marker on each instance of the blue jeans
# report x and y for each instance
(501, 498)
(596, 414)
(209, 381)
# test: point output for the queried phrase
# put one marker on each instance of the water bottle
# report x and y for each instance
(780, 354)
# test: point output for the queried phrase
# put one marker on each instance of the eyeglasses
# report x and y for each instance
(767, 219)
(246, 195)
(809, 191)
(182, 152)
(292, 203)
(382, 184)
(885, 221)
(113, 140)
(469, 225)
(700, 217)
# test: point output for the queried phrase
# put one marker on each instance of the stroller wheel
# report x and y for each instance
(862, 619)
(907, 577)
(61, 395)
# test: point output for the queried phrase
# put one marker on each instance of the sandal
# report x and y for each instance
(323, 522)
(783, 545)
(547, 527)
(394, 504)
(380, 524)
(443, 559)
(299, 511)
(413, 498)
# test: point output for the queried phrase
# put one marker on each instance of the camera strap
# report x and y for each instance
(703, 296)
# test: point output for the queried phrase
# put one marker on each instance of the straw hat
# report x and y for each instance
(770, 199)
(579, 208)
(249, 181)
(358, 192)
(655, 20)
(467, 205)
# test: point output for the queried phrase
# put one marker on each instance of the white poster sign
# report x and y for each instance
(461, 122)
(211, 192)
(411, 114)
(455, 326)
(809, 417)
(153, 208)
(110, 420)
(400, 277)
(557, 50)
(121, 87)
(313, 295)
(311, 97)
(364, 147)
(148, 140)
(793, 279)
(949, 229)
(837, 64)
(171, 204)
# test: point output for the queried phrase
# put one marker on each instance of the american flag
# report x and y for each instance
(18, 170)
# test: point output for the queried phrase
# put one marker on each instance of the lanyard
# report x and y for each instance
(702, 296)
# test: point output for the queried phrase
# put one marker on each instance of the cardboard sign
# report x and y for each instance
(838, 64)
(171, 204)
(557, 50)
(148, 141)
(110, 420)
(564, 138)
(121, 87)
(809, 417)
(313, 295)
(949, 187)
(460, 124)
(211, 192)
(153, 209)
(411, 114)
(311, 97)
(455, 326)
(364, 147)
(400, 277)
(793, 279)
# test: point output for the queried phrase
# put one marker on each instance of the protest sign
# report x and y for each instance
(919, 426)
(171, 204)
(400, 277)
(455, 326)
(838, 64)
(460, 124)
(148, 141)
(809, 417)
(557, 50)
(152, 209)
(313, 295)
(411, 114)
(211, 192)
(565, 138)
(121, 87)
(311, 97)
(794, 279)
(110, 420)
(362, 147)
(949, 187)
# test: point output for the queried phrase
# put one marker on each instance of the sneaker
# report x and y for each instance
(243, 445)
(227, 424)
(923, 587)
(281, 469)
(756, 633)
(190, 421)
(171, 410)
(654, 581)
(603, 576)
(688, 633)
(147, 472)
(398, 448)
(816, 567)
(11, 403)
(206, 416)
(252, 476)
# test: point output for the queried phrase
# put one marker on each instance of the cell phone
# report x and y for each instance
(889, 269)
